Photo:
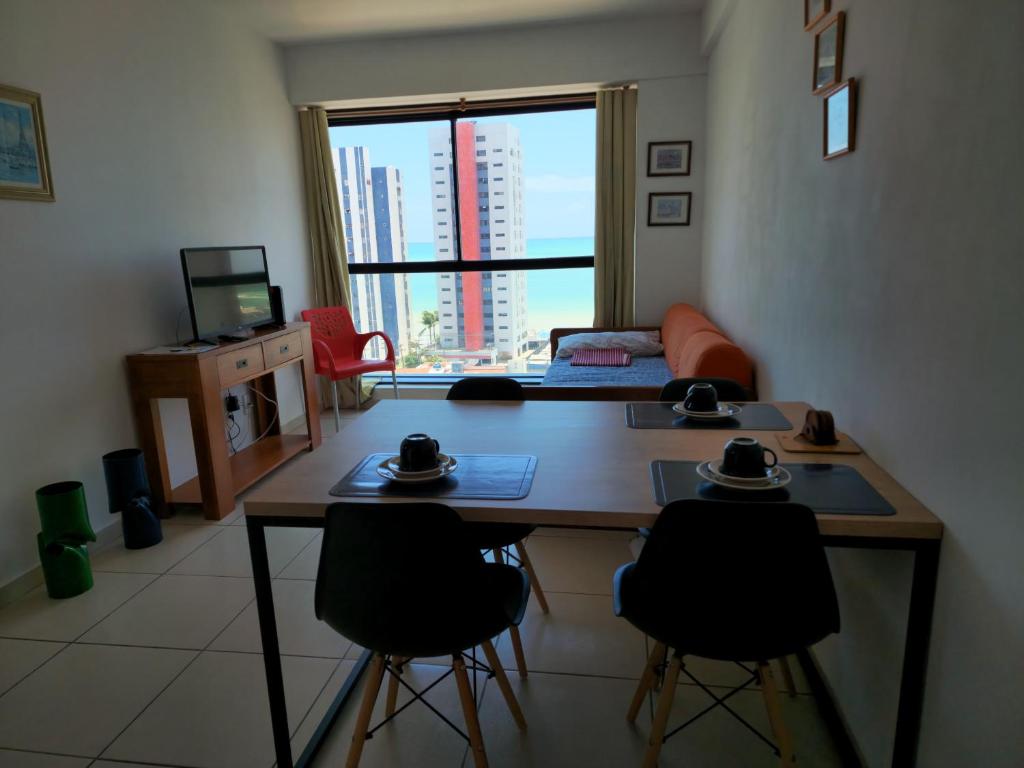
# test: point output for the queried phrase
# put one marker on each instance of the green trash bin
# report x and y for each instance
(63, 554)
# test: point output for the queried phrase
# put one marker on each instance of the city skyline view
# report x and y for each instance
(525, 190)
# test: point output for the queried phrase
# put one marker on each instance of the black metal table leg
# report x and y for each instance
(268, 636)
(915, 653)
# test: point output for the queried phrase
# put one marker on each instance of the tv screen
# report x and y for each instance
(228, 289)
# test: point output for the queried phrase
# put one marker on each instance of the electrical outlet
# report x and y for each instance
(231, 403)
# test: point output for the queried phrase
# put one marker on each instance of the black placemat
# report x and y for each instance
(830, 488)
(478, 476)
(661, 416)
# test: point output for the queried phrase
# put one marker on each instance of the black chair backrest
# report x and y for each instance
(738, 580)
(391, 572)
(728, 390)
(486, 388)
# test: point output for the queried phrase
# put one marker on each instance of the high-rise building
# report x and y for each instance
(480, 311)
(389, 228)
(371, 209)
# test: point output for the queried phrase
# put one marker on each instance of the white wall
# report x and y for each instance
(661, 53)
(167, 126)
(888, 287)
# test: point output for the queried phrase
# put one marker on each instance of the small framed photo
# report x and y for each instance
(668, 209)
(24, 164)
(668, 158)
(828, 54)
(815, 11)
(840, 105)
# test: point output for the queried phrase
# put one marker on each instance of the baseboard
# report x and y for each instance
(837, 726)
(294, 425)
(20, 586)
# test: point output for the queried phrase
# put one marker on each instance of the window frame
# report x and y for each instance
(452, 113)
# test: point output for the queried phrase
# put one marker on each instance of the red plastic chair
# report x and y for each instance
(338, 350)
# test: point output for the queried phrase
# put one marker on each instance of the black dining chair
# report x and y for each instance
(404, 581)
(729, 390)
(486, 388)
(502, 538)
(731, 581)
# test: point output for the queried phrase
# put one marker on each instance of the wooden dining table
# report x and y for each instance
(593, 471)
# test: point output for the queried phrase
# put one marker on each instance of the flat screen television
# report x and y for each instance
(228, 290)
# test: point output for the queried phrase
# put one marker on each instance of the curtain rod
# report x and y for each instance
(462, 106)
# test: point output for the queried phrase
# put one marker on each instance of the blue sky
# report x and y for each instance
(558, 164)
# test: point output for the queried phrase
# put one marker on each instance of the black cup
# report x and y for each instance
(745, 457)
(701, 397)
(418, 453)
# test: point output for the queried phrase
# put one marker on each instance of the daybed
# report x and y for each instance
(694, 346)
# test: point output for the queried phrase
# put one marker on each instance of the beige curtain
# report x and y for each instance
(615, 221)
(326, 235)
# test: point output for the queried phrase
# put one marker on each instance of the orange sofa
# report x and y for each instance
(694, 346)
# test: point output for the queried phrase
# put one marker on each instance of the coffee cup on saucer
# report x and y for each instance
(701, 397)
(419, 453)
(745, 457)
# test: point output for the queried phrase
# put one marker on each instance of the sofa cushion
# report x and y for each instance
(708, 353)
(680, 323)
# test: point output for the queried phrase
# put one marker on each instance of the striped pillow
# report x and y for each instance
(613, 357)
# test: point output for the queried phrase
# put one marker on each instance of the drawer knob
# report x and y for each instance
(243, 363)
(284, 348)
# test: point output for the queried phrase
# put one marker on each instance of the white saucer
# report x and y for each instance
(715, 466)
(724, 411)
(775, 480)
(389, 470)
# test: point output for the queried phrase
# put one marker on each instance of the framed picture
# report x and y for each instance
(840, 105)
(668, 158)
(815, 11)
(24, 164)
(668, 209)
(828, 54)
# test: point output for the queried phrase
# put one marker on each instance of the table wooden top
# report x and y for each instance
(592, 470)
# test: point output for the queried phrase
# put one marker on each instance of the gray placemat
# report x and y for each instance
(754, 416)
(829, 488)
(478, 476)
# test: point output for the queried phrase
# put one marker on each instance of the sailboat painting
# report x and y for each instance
(24, 166)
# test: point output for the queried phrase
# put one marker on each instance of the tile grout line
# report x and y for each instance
(185, 557)
(173, 680)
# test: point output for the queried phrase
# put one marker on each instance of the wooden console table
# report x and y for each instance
(200, 378)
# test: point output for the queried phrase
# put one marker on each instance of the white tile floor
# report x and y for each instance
(159, 665)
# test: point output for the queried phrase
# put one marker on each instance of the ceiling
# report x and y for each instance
(301, 20)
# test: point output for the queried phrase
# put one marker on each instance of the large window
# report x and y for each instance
(470, 232)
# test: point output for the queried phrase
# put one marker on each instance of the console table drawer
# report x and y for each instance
(240, 364)
(287, 347)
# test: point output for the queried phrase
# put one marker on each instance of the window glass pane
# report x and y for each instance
(532, 178)
(492, 322)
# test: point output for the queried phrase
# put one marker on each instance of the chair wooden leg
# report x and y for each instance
(534, 581)
(517, 649)
(498, 558)
(771, 701)
(373, 681)
(337, 415)
(646, 681)
(787, 676)
(668, 694)
(476, 739)
(503, 685)
(397, 663)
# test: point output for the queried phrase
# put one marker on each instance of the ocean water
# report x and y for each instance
(554, 297)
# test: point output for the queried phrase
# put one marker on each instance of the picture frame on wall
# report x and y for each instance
(668, 209)
(668, 158)
(815, 11)
(828, 55)
(24, 161)
(840, 120)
